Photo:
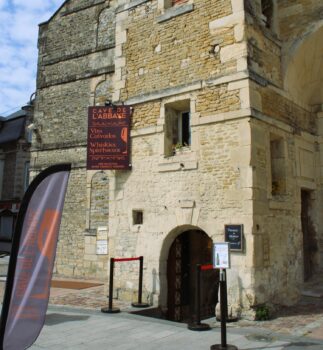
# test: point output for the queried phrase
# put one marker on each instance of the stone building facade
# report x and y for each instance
(226, 129)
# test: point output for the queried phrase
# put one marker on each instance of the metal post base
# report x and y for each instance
(106, 310)
(228, 319)
(220, 347)
(199, 327)
(140, 305)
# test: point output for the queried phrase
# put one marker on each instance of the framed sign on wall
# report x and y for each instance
(234, 236)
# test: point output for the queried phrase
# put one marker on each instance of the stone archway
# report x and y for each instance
(184, 248)
(303, 78)
(303, 81)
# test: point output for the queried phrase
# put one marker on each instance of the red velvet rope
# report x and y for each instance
(125, 259)
(206, 267)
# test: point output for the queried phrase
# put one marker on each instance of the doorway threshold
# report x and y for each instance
(314, 287)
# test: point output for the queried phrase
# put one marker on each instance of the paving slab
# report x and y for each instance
(68, 328)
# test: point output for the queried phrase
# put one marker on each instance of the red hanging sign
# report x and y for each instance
(108, 146)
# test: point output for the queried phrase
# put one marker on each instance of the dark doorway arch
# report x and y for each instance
(188, 249)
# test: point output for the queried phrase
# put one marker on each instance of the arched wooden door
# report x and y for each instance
(189, 249)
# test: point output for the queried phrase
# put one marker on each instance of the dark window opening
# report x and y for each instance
(177, 126)
(267, 9)
(7, 221)
(278, 165)
(185, 129)
(26, 175)
(137, 217)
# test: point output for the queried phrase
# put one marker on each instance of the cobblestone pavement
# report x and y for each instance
(303, 319)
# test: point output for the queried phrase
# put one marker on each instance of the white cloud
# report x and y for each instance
(19, 21)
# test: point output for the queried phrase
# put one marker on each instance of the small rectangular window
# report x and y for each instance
(267, 9)
(6, 227)
(173, 8)
(278, 165)
(29, 136)
(26, 176)
(184, 135)
(137, 217)
(177, 126)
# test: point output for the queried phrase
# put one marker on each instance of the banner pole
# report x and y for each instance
(32, 258)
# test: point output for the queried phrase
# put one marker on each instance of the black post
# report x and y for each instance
(224, 312)
(141, 272)
(224, 308)
(110, 309)
(197, 325)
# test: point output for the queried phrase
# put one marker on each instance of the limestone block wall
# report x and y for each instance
(266, 68)
(76, 26)
(306, 11)
(215, 191)
(58, 107)
(278, 255)
(280, 252)
(286, 104)
(301, 50)
(253, 147)
(162, 54)
(274, 103)
(76, 63)
(160, 57)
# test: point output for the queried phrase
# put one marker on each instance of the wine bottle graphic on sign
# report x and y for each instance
(124, 138)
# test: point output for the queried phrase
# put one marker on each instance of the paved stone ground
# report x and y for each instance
(73, 313)
(73, 329)
(303, 319)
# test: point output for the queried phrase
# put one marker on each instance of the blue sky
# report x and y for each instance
(19, 21)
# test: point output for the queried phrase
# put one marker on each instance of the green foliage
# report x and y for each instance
(262, 313)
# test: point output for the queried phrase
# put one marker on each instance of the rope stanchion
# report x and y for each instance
(110, 309)
(197, 325)
(141, 270)
(207, 267)
(224, 312)
(125, 259)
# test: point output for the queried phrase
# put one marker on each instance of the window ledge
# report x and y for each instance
(174, 12)
(281, 202)
(178, 162)
(90, 232)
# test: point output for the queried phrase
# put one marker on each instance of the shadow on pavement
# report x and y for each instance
(54, 319)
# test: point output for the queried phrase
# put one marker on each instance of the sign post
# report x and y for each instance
(221, 260)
